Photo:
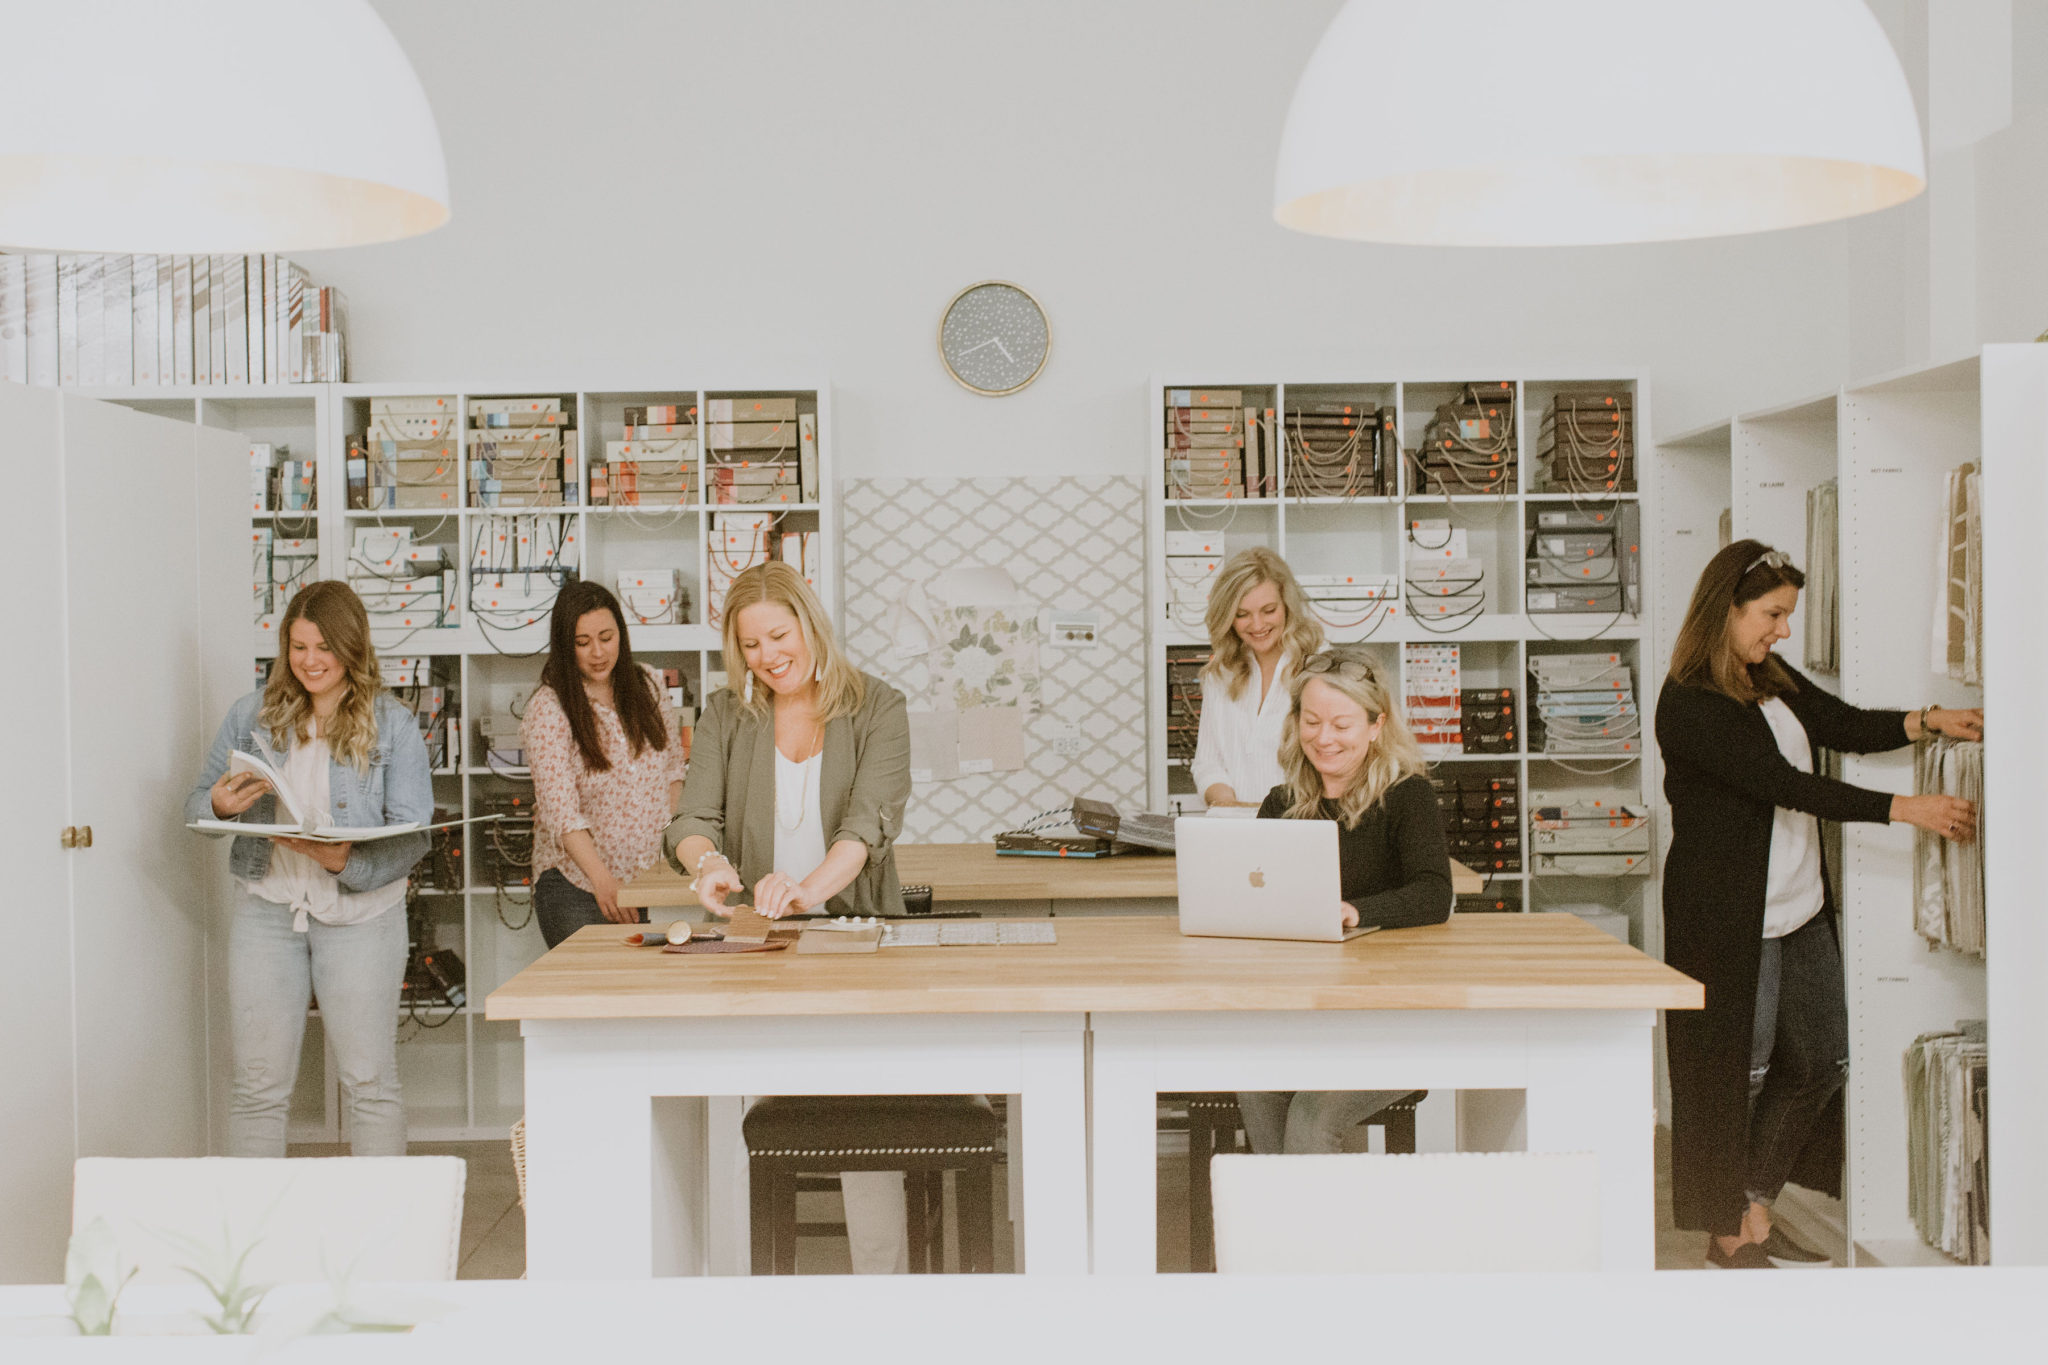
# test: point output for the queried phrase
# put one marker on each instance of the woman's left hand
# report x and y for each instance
(1350, 914)
(333, 857)
(1956, 722)
(779, 894)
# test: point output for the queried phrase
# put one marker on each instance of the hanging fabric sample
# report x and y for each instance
(1823, 603)
(1948, 1179)
(1948, 877)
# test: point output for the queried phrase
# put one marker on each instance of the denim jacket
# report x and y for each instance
(398, 789)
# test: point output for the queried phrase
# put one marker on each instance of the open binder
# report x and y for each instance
(315, 826)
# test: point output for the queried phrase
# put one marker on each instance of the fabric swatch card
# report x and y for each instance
(991, 739)
(934, 746)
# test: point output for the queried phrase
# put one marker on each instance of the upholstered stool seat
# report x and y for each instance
(790, 1137)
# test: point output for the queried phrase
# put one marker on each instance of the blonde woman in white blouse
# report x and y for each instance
(1260, 629)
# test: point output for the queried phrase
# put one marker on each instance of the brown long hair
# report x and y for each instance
(351, 732)
(1703, 655)
(840, 685)
(1229, 657)
(1392, 756)
(633, 693)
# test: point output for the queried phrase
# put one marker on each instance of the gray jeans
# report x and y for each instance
(1307, 1122)
(355, 970)
(1798, 1050)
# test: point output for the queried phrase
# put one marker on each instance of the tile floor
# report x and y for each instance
(494, 1227)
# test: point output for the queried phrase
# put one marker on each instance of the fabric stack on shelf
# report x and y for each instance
(1184, 665)
(1482, 820)
(804, 552)
(504, 848)
(1431, 704)
(278, 483)
(149, 321)
(1587, 444)
(521, 453)
(403, 585)
(1585, 560)
(1349, 602)
(1604, 833)
(1948, 877)
(1209, 445)
(1486, 719)
(1584, 705)
(739, 541)
(655, 465)
(760, 450)
(1948, 1176)
(1193, 559)
(279, 566)
(682, 704)
(1445, 584)
(1959, 600)
(518, 564)
(1335, 450)
(1469, 444)
(654, 597)
(1821, 603)
(407, 459)
(432, 705)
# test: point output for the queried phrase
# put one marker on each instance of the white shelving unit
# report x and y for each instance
(462, 1076)
(1368, 535)
(1890, 442)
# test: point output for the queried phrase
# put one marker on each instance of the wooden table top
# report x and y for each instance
(975, 872)
(1112, 964)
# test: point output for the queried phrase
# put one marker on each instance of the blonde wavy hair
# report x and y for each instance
(351, 733)
(1394, 755)
(1229, 657)
(841, 687)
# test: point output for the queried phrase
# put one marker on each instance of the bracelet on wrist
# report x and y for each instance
(1926, 713)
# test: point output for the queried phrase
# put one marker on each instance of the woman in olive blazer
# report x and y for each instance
(1756, 1076)
(798, 779)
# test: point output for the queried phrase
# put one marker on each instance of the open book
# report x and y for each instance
(302, 821)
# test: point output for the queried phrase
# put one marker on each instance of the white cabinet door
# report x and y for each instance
(36, 1101)
(136, 507)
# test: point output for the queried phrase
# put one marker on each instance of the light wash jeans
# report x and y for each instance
(355, 970)
(1307, 1122)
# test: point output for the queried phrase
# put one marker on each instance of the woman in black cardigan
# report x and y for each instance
(1756, 1076)
(1348, 758)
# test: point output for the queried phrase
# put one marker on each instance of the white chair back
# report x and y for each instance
(1477, 1211)
(373, 1218)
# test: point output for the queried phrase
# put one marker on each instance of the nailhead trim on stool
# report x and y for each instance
(875, 1133)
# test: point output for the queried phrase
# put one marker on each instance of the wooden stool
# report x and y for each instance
(1214, 1125)
(923, 1136)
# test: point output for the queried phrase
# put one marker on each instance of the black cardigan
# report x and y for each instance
(1395, 868)
(1725, 778)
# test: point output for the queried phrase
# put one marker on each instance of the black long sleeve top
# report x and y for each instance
(1395, 868)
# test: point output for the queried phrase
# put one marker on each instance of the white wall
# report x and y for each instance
(710, 193)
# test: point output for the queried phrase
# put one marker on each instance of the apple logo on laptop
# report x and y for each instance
(1258, 877)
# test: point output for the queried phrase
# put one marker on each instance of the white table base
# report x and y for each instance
(1535, 1080)
(624, 1118)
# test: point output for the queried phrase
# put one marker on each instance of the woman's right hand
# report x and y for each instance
(605, 887)
(1951, 817)
(234, 793)
(718, 880)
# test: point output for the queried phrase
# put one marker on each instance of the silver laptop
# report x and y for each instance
(1260, 879)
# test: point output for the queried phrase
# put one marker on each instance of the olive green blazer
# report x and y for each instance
(863, 785)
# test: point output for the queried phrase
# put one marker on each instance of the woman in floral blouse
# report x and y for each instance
(607, 766)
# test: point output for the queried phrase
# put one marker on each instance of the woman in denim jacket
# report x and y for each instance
(319, 919)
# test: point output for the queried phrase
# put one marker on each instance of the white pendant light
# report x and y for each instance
(1513, 123)
(211, 126)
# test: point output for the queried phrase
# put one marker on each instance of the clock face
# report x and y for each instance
(994, 338)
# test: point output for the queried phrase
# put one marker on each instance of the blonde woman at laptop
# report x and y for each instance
(1347, 757)
(1260, 629)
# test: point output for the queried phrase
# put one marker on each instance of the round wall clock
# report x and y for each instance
(994, 338)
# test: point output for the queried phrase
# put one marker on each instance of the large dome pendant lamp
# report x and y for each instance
(231, 126)
(1587, 122)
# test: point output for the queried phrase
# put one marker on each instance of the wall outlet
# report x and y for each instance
(1071, 628)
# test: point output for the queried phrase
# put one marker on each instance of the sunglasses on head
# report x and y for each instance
(1358, 670)
(1777, 559)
